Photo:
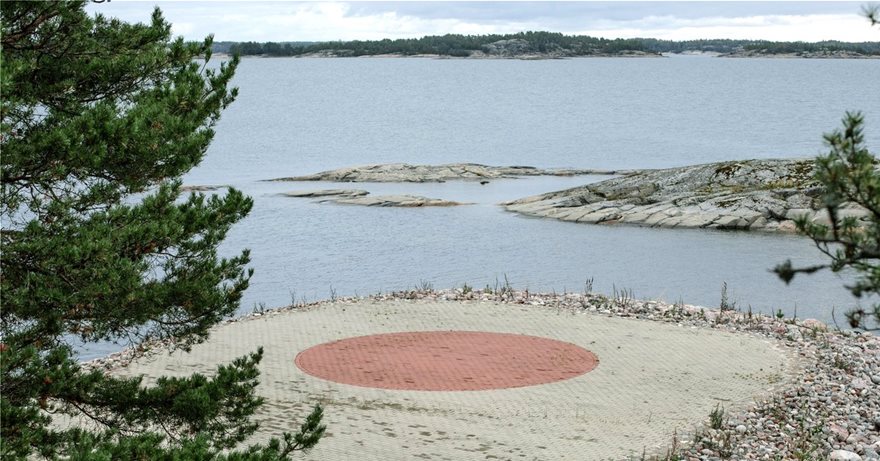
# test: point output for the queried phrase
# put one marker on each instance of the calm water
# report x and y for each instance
(299, 116)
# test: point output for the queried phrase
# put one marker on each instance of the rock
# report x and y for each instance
(839, 432)
(203, 187)
(844, 455)
(729, 222)
(875, 379)
(327, 193)
(395, 201)
(741, 429)
(508, 48)
(796, 213)
(750, 194)
(403, 172)
(362, 197)
(814, 324)
(787, 226)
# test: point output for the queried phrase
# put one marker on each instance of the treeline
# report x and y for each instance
(446, 45)
(551, 43)
(866, 48)
(763, 46)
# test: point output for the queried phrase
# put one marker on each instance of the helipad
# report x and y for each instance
(446, 361)
(537, 393)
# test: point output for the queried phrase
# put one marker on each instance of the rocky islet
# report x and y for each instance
(767, 195)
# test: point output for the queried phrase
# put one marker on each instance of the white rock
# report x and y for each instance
(843, 455)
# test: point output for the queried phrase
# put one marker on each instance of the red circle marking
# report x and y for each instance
(446, 361)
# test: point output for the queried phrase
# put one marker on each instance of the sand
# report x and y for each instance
(652, 379)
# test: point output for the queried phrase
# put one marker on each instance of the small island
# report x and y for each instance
(404, 172)
(359, 197)
(766, 195)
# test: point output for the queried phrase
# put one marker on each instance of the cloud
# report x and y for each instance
(814, 27)
(320, 21)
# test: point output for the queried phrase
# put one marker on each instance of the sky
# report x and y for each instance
(253, 20)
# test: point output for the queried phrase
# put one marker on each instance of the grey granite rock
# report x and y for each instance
(327, 193)
(404, 172)
(396, 201)
(750, 194)
(362, 197)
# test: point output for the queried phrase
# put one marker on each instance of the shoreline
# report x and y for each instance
(550, 57)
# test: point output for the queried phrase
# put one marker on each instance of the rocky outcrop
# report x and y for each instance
(508, 48)
(360, 197)
(752, 194)
(408, 201)
(327, 193)
(820, 54)
(404, 172)
(203, 187)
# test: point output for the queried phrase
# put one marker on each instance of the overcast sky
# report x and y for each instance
(245, 20)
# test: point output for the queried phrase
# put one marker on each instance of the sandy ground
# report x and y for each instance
(652, 378)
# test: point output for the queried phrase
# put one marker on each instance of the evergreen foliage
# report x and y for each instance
(850, 174)
(448, 45)
(539, 42)
(99, 120)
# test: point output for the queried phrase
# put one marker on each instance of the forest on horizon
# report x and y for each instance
(551, 43)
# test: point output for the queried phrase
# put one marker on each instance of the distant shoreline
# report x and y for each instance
(548, 45)
(539, 57)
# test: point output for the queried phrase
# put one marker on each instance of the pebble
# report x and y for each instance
(843, 455)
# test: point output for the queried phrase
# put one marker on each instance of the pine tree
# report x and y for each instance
(98, 122)
(850, 175)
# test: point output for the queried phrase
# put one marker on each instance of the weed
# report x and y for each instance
(672, 453)
(623, 298)
(842, 364)
(699, 434)
(726, 305)
(259, 308)
(425, 286)
(716, 417)
(333, 295)
(466, 289)
(779, 314)
(807, 436)
(588, 286)
(504, 291)
(677, 309)
(725, 450)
